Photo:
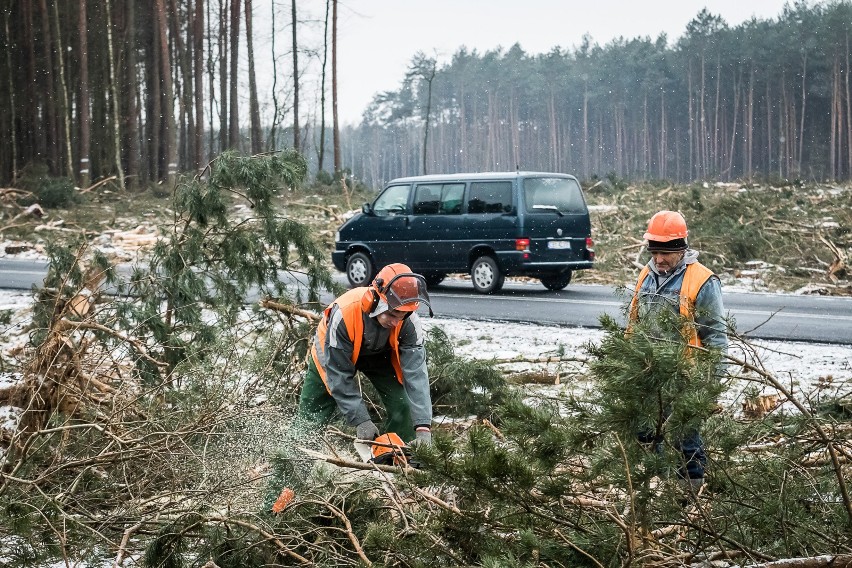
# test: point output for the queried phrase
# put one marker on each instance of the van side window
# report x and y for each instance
(490, 197)
(427, 199)
(451, 198)
(392, 201)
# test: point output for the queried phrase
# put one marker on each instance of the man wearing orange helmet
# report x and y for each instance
(373, 329)
(674, 280)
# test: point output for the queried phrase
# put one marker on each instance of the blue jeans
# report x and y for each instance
(691, 446)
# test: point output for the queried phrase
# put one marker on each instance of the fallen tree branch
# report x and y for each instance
(288, 309)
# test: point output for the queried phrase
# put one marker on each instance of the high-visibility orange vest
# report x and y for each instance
(353, 305)
(694, 277)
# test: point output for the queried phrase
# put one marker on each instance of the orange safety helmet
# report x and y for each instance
(666, 226)
(400, 288)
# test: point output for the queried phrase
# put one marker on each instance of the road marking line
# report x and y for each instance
(780, 313)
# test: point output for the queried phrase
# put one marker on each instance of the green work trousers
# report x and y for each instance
(318, 406)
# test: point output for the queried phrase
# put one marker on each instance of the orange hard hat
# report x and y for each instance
(400, 288)
(666, 226)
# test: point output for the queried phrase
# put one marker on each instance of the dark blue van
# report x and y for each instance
(490, 225)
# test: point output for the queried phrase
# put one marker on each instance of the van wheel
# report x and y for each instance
(359, 270)
(433, 278)
(556, 281)
(486, 275)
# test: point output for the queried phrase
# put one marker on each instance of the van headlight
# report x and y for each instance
(337, 236)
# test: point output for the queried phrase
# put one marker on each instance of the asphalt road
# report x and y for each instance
(764, 316)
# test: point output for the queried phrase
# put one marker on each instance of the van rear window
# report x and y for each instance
(490, 197)
(543, 194)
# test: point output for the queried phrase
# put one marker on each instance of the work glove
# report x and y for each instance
(423, 436)
(366, 430)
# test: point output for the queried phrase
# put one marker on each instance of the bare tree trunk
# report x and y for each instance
(336, 125)
(12, 136)
(48, 94)
(83, 106)
(749, 124)
(116, 127)
(169, 133)
(802, 118)
(33, 139)
(691, 130)
(211, 82)
(833, 120)
(296, 144)
(586, 129)
(848, 113)
(234, 114)
(321, 153)
(185, 87)
(768, 131)
(272, 140)
(429, 80)
(198, 75)
(254, 108)
(223, 75)
(66, 106)
(131, 121)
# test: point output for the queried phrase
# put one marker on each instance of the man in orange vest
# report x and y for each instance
(674, 280)
(373, 329)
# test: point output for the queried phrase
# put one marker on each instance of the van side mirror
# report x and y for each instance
(367, 209)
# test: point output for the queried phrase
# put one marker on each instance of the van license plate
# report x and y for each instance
(558, 244)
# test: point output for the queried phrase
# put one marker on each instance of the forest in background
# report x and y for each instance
(141, 91)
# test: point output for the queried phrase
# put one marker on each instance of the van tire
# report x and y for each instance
(433, 278)
(486, 275)
(359, 270)
(556, 281)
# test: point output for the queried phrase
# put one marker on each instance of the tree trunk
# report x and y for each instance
(33, 138)
(336, 126)
(47, 90)
(131, 109)
(116, 127)
(321, 152)
(848, 113)
(254, 108)
(13, 141)
(802, 118)
(198, 76)
(185, 97)
(83, 106)
(296, 144)
(66, 105)
(234, 114)
(223, 75)
(169, 131)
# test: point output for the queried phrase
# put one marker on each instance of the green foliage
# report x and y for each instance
(48, 191)
(461, 387)
(212, 260)
(166, 549)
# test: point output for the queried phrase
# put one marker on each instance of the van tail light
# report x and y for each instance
(522, 244)
(590, 247)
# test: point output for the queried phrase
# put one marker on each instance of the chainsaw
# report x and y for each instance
(387, 449)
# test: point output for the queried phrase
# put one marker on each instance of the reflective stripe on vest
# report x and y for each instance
(353, 305)
(694, 277)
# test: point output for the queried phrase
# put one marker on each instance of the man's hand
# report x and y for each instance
(423, 435)
(366, 430)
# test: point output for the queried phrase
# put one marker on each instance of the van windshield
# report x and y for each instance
(546, 195)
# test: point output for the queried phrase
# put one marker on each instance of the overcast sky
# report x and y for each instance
(377, 38)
